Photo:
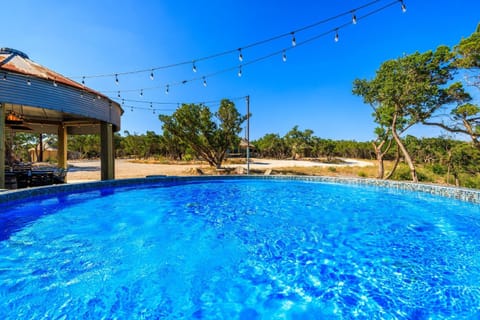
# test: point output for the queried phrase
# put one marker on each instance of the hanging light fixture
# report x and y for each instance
(141, 92)
(239, 71)
(194, 67)
(336, 35)
(284, 56)
(151, 75)
(204, 82)
(167, 89)
(240, 55)
(354, 18)
(83, 80)
(29, 82)
(294, 41)
(116, 79)
(118, 94)
(404, 7)
(5, 76)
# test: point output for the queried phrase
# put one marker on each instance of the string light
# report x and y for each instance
(29, 82)
(123, 101)
(404, 7)
(5, 76)
(261, 42)
(54, 83)
(151, 105)
(83, 80)
(167, 89)
(141, 92)
(194, 67)
(118, 94)
(354, 18)
(131, 109)
(81, 94)
(116, 79)
(284, 56)
(240, 55)
(351, 13)
(204, 82)
(151, 75)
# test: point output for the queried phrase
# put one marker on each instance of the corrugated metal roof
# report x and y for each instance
(16, 61)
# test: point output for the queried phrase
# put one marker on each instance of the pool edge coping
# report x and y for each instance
(463, 194)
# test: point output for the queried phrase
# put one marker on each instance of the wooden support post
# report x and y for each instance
(107, 154)
(62, 147)
(2, 146)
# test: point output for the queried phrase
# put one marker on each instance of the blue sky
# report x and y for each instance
(312, 89)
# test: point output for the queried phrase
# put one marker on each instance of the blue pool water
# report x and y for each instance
(240, 249)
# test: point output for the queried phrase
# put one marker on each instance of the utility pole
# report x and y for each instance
(248, 135)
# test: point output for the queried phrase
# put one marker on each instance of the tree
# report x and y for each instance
(299, 142)
(408, 90)
(209, 135)
(464, 118)
(271, 146)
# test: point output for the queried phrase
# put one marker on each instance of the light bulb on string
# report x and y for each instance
(404, 7)
(118, 94)
(294, 41)
(81, 94)
(123, 101)
(131, 109)
(29, 82)
(354, 18)
(240, 55)
(116, 79)
(4, 76)
(336, 36)
(141, 92)
(153, 111)
(83, 80)
(151, 75)
(194, 67)
(239, 74)
(167, 89)
(54, 83)
(284, 56)
(151, 106)
(204, 82)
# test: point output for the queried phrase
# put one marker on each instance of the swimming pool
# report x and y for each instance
(239, 249)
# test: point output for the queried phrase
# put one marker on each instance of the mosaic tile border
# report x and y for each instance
(463, 194)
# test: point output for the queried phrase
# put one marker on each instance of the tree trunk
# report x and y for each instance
(405, 153)
(397, 160)
(379, 154)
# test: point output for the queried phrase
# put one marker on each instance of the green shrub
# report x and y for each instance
(362, 174)
(332, 169)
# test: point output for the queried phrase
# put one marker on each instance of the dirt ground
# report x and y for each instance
(89, 170)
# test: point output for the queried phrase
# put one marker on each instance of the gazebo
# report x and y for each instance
(38, 100)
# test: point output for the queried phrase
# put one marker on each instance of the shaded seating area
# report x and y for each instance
(37, 100)
(25, 175)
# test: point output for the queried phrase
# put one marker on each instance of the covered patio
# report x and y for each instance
(35, 99)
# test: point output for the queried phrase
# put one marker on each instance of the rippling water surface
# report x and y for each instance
(240, 249)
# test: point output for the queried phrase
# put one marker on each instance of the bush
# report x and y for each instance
(362, 174)
(332, 169)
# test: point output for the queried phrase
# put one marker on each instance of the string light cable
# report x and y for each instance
(133, 106)
(281, 52)
(194, 62)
